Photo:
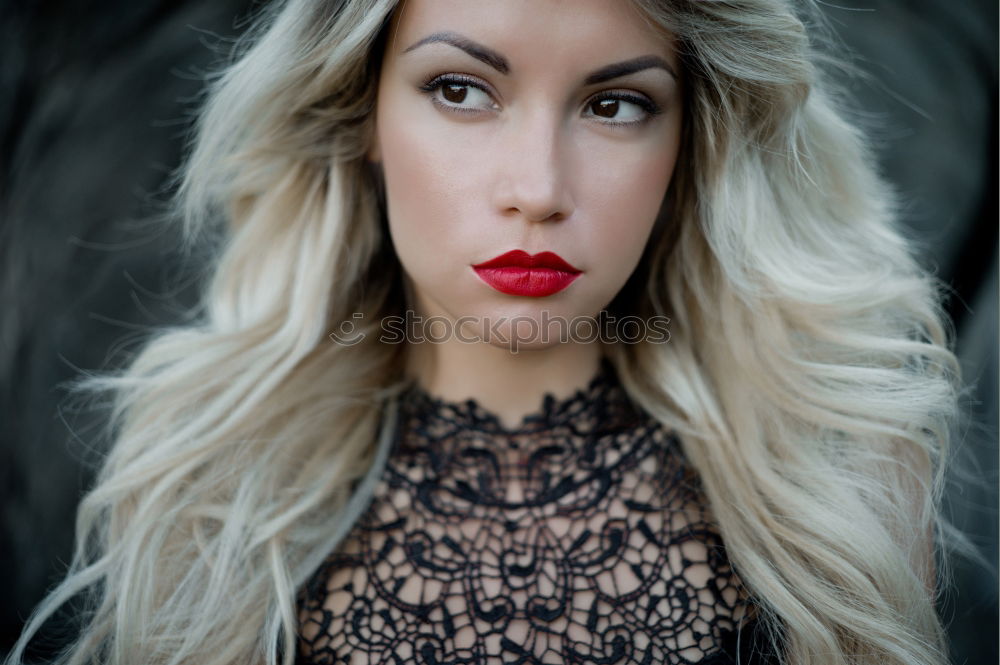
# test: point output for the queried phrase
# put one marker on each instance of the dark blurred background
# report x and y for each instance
(95, 100)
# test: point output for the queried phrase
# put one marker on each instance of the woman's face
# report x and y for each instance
(533, 125)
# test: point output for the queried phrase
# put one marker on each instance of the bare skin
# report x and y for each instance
(521, 153)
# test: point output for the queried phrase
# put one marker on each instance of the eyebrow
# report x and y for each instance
(499, 63)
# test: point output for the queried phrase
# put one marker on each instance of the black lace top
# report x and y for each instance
(578, 537)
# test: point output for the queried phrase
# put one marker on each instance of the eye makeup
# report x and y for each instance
(609, 100)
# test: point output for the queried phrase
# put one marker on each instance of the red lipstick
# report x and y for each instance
(520, 274)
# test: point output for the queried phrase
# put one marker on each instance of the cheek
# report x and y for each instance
(424, 186)
(624, 196)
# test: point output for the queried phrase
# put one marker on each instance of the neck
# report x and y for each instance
(509, 384)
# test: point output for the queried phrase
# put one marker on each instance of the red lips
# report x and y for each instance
(521, 274)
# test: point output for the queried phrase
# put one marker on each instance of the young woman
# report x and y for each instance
(430, 412)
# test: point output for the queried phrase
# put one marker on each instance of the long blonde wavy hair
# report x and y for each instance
(808, 373)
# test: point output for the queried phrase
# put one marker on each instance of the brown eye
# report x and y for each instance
(454, 93)
(605, 108)
(622, 109)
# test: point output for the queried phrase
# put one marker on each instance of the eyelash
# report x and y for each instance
(434, 84)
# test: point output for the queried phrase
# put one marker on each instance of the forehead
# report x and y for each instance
(527, 32)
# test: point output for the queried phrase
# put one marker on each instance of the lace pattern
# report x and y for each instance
(578, 537)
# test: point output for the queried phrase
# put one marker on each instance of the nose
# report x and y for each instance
(533, 179)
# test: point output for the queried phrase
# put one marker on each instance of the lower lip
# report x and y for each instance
(531, 282)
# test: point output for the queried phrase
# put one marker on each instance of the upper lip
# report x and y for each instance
(521, 259)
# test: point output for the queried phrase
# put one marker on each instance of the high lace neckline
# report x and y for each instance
(600, 405)
(582, 536)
